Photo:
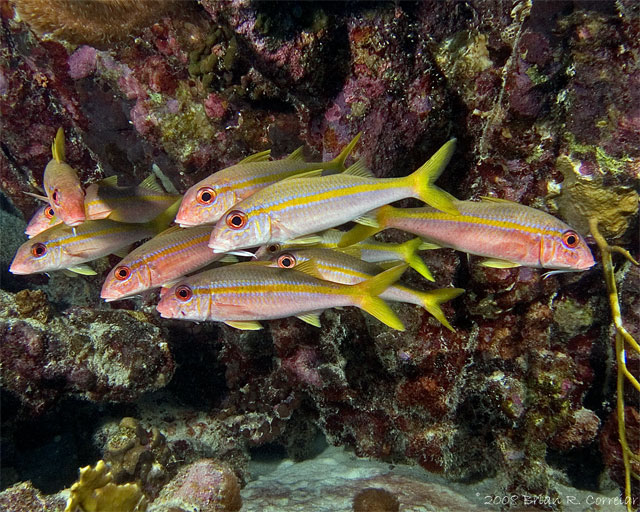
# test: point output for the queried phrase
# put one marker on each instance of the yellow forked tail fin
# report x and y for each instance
(409, 251)
(432, 299)
(366, 296)
(422, 181)
(164, 220)
(338, 162)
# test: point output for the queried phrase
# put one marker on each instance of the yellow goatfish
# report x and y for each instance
(297, 207)
(64, 248)
(172, 254)
(209, 199)
(238, 295)
(507, 233)
(369, 250)
(346, 269)
(62, 186)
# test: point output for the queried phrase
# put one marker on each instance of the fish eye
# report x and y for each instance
(570, 239)
(273, 248)
(48, 212)
(183, 293)
(38, 250)
(237, 219)
(56, 197)
(287, 261)
(206, 195)
(122, 272)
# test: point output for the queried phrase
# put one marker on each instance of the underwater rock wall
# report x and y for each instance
(537, 93)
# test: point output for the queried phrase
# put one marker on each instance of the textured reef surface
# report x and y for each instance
(543, 97)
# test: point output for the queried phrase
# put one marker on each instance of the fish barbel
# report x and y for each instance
(209, 199)
(507, 233)
(63, 247)
(347, 269)
(43, 219)
(238, 295)
(367, 250)
(299, 206)
(137, 204)
(172, 254)
(62, 185)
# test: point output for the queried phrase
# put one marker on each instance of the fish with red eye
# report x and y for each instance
(508, 234)
(38, 250)
(236, 219)
(286, 260)
(122, 272)
(183, 293)
(206, 195)
(62, 186)
(43, 219)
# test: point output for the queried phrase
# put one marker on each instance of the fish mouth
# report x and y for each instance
(18, 271)
(74, 222)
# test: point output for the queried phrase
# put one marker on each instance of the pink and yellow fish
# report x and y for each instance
(65, 248)
(507, 233)
(43, 219)
(241, 294)
(62, 186)
(172, 254)
(347, 269)
(368, 250)
(297, 207)
(209, 199)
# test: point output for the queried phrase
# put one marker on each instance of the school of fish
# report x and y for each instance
(286, 211)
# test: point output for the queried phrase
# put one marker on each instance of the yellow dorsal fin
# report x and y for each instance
(353, 250)
(308, 267)
(309, 174)
(497, 200)
(171, 229)
(338, 162)
(497, 263)
(311, 318)
(110, 181)
(151, 182)
(57, 148)
(297, 154)
(358, 169)
(256, 157)
(245, 325)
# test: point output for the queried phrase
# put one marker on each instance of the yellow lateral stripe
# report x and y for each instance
(81, 237)
(316, 197)
(271, 288)
(464, 219)
(161, 253)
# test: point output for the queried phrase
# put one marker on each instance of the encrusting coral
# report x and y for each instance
(95, 492)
